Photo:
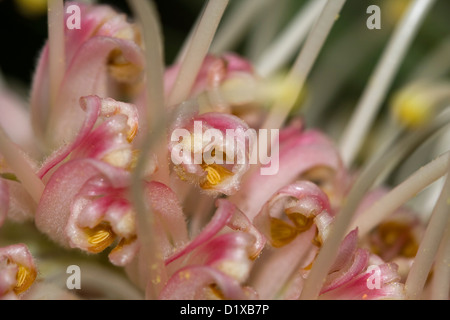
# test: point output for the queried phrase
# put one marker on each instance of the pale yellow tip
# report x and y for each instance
(32, 7)
(411, 111)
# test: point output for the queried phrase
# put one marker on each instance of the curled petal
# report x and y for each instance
(227, 253)
(17, 270)
(110, 140)
(92, 110)
(379, 281)
(221, 217)
(203, 282)
(105, 47)
(291, 211)
(214, 152)
(55, 210)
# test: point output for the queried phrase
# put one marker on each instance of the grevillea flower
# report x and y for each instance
(119, 163)
(211, 150)
(17, 271)
(99, 56)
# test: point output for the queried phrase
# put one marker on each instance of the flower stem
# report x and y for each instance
(236, 23)
(16, 161)
(56, 42)
(440, 284)
(428, 248)
(381, 80)
(302, 66)
(150, 249)
(283, 48)
(197, 51)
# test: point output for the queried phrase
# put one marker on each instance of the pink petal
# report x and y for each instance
(221, 217)
(297, 155)
(98, 22)
(15, 120)
(54, 210)
(358, 289)
(303, 197)
(190, 283)
(166, 205)
(274, 268)
(85, 76)
(91, 106)
(228, 253)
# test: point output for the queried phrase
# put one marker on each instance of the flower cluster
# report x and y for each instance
(217, 230)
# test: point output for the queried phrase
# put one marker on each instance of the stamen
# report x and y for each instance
(25, 278)
(375, 92)
(215, 175)
(100, 237)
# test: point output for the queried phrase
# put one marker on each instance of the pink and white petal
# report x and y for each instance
(166, 205)
(346, 251)
(297, 155)
(200, 282)
(341, 277)
(91, 105)
(15, 120)
(22, 207)
(54, 211)
(220, 219)
(92, 18)
(86, 75)
(274, 268)
(228, 253)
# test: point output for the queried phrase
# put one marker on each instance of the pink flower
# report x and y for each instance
(356, 274)
(213, 152)
(17, 271)
(224, 251)
(104, 52)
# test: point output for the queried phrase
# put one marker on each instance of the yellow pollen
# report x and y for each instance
(100, 237)
(25, 278)
(214, 176)
(132, 133)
